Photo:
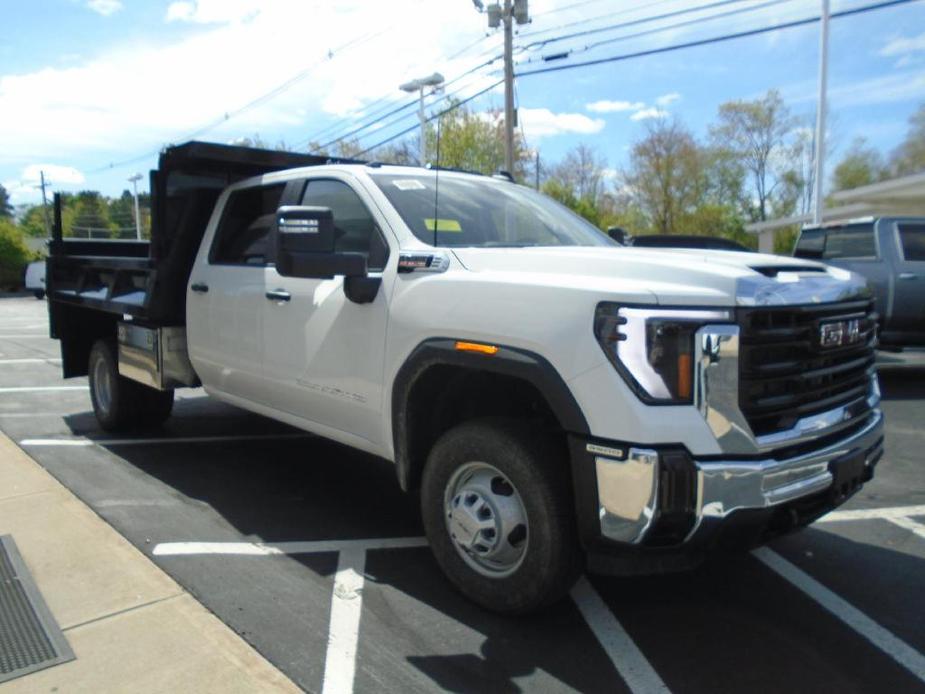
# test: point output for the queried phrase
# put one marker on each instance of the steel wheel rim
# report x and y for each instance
(486, 519)
(102, 385)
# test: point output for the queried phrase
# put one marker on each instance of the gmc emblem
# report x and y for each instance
(839, 333)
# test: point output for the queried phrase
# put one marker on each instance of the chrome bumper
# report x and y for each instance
(629, 493)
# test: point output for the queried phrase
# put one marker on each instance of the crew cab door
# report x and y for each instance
(225, 297)
(909, 299)
(323, 354)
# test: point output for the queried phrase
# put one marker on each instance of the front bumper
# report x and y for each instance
(662, 497)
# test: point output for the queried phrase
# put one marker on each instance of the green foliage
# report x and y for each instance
(861, 166)
(6, 209)
(474, 142)
(909, 157)
(14, 254)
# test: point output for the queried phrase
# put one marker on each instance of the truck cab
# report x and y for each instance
(890, 253)
(556, 401)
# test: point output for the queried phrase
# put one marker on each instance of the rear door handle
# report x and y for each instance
(199, 287)
(907, 276)
(278, 295)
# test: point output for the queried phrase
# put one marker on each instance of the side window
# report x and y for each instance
(810, 244)
(912, 237)
(354, 227)
(244, 231)
(856, 241)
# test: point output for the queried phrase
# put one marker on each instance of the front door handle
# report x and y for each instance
(199, 287)
(278, 295)
(908, 276)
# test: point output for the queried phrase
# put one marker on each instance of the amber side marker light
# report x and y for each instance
(684, 376)
(476, 347)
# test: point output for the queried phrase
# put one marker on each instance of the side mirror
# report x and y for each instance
(617, 234)
(305, 248)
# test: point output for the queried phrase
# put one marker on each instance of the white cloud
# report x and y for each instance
(168, 88)
(651, 112)
(904, 45)
(212, 11)
(105, 7)
(541, 122)
(605, 106)
(25, 188)
(666, 99)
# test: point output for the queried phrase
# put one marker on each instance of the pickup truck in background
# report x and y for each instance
(559, 401)
(890, 253)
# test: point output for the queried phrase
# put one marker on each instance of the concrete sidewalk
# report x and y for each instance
(132, 628)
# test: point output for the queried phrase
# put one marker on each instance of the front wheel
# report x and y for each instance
(497, 508)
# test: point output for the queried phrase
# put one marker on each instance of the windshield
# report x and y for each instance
(482, 212)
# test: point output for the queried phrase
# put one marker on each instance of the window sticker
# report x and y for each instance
(450, 225)
(408, 184)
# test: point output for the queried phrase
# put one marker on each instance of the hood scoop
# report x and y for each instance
(775, 270)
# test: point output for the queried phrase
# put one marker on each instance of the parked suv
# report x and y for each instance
(890, 253)
(559, 401)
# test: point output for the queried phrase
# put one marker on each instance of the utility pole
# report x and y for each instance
(508, 89)
(537, 169)
(43, 185)
(513, 10)
(418, 85)
(819, 153)
(134, 179)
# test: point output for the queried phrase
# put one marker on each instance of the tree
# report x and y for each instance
(6, 209)
(861, 166)
(909, 157)
(91, 214)
(474, 141)
(14, 254)
(758, 133)
(582, 171)
(666, 177)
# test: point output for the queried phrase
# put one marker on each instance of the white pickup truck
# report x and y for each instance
(560, 402)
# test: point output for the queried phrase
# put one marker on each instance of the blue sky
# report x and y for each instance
(85, 83)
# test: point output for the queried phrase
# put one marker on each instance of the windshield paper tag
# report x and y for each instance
(442, 225)
(408, 184)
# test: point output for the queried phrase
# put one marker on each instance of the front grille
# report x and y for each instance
(786, 374)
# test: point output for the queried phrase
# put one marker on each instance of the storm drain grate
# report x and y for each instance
(30, 639)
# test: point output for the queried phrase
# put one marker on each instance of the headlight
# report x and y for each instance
(653, 348)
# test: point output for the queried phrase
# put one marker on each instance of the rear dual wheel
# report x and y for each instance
(120, 403)
(497, 507)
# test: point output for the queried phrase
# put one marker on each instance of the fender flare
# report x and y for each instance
(508, 361)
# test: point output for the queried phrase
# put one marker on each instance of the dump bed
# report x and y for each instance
(147, 280)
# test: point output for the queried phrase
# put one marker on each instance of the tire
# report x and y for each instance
(39, 294)
(510, 468)
(119, 403)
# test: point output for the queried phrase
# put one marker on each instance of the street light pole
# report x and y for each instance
(819, 153)
(418, 85)
(134, 179)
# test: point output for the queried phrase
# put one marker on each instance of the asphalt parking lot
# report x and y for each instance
(310, 552)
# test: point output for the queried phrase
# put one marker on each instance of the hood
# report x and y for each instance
(673, 276)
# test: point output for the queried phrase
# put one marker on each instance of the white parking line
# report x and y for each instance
(909, 524)
(344, 627)
(80, 441)
(885, 640)
(270, 548)
(40, 389)
(43, 336)
(626, 657)
(887, 513)
(31, 360)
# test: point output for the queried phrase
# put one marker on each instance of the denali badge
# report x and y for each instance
(839, 333)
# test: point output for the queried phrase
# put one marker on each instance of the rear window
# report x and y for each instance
(853, 241)
(912, 237)
(243, 234)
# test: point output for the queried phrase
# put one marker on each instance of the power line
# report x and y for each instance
(715, 39)
(276, 91)
(430, 118)
(667, 27)
(589, 20)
